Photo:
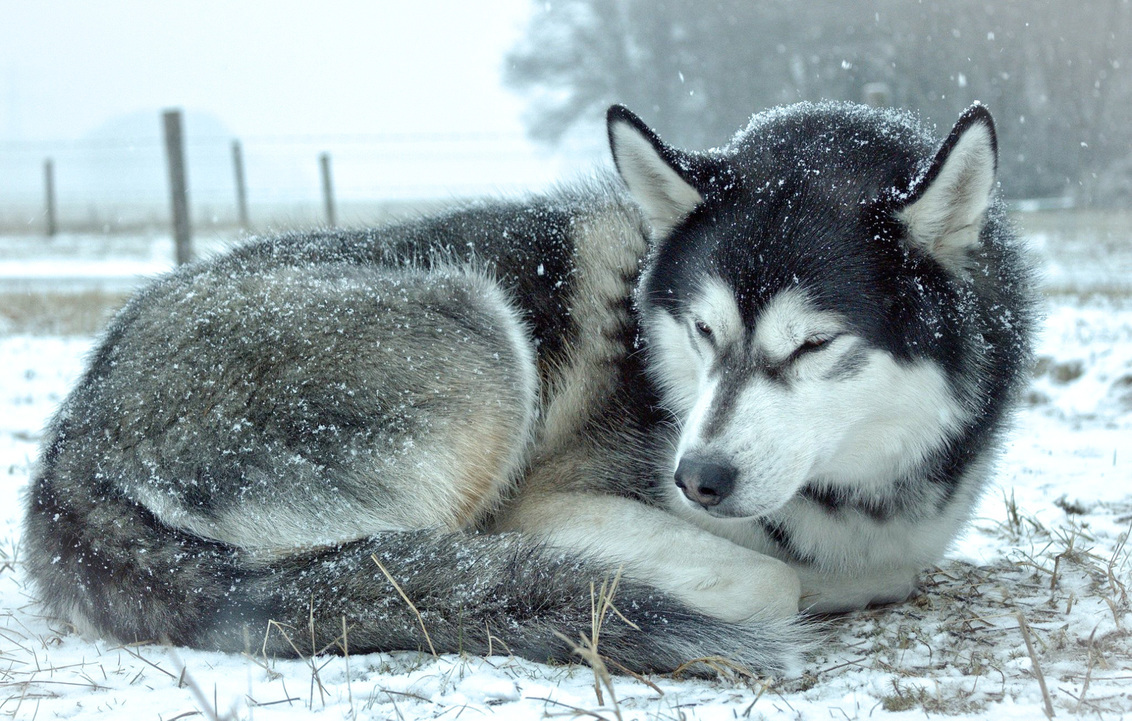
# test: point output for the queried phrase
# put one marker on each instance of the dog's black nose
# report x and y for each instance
(704, 482)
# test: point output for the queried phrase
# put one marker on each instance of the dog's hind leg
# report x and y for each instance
(307, 405)
(410, 400)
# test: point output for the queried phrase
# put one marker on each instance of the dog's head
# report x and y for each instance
(802, 300)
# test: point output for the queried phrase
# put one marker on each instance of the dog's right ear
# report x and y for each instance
(654, 171)
(945, 209)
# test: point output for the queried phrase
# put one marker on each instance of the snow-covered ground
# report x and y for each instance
(1031, 605)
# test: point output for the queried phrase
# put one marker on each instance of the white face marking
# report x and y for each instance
(681, 356)
(674, 363)
(690, 430)
(814, 403)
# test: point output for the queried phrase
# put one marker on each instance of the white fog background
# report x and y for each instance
(406, 96)
(433, 100)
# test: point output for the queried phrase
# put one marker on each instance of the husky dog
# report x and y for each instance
(837, 313)
(736, 382)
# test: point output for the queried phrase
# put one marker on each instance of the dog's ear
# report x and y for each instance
(655, 172)
(945, 209)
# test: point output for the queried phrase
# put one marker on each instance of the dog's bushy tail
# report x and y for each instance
(476, 594)
(124, 575)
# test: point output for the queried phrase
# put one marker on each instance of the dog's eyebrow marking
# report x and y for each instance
(716, 306)
(787, 321)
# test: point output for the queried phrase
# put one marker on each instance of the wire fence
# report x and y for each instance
(122, 184)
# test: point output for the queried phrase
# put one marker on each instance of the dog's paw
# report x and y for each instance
(740, 587)
(827, 593)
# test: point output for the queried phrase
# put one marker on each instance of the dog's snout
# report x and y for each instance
(704, 482)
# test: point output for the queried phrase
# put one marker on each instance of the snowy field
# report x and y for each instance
(1029, 615)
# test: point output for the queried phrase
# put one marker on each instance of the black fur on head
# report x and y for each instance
(850, 204)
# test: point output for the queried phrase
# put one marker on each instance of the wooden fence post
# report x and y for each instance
(327, 190)
(178, 187)
(241, 187)
(49, 191)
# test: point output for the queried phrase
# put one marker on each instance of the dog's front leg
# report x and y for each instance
(709, 573)
(880, 572)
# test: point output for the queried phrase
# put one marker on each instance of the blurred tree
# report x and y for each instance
(1056, 76)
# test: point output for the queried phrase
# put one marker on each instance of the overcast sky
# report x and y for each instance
(262, 67)
(311, 72)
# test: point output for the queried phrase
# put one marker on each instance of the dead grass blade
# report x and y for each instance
(1025, 627)
(405, 597)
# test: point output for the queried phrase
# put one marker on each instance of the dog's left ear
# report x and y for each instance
(655, 172)
(945, 209)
